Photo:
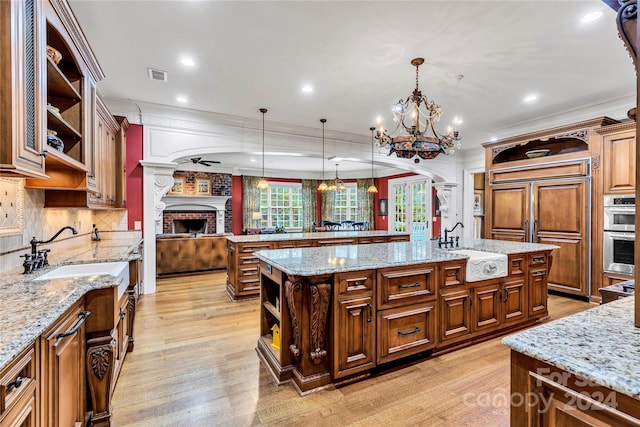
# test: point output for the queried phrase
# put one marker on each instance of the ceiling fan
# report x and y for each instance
(201, 161)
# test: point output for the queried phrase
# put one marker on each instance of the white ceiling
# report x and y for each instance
(357, 55)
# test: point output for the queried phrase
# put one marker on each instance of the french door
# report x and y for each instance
(410, 205)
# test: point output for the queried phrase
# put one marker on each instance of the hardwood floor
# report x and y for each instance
(195, 364)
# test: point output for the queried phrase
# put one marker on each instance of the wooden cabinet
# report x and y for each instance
(455, 315)
(497, 304)
(22, 62)
(63, 369)
(537, 284)
(549, 211)
(19, 390)
(619, 166)
(558, 398)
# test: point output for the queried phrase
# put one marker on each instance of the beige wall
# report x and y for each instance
(44, 223)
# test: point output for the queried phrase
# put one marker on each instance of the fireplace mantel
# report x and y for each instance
(195, 203)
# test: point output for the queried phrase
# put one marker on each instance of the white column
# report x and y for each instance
(159, 178)
(447, 195)
(219, 221)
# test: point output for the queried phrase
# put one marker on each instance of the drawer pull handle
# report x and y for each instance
(123, 314)
(538, 260)
(370, 312)
(413, 331)
(412, 285)
(15, 384)
(82, 316)
(539, 273)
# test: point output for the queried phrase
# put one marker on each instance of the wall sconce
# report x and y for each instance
(382, 207)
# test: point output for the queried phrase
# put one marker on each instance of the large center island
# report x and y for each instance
(336, 314)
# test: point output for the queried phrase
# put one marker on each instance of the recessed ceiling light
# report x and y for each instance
(493, 139)
(307, 89)
(592, 16)
(252, 160)
(188, 62)
(182, 99)
(530, 98)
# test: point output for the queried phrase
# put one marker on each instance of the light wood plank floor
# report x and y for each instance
(195, 364)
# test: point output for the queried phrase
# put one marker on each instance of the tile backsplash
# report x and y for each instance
(44, 223)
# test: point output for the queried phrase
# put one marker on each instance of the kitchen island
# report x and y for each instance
(64, 339)
(583, 369)
(332, 315)
(243, 281)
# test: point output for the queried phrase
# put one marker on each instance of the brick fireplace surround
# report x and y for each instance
(169, 216)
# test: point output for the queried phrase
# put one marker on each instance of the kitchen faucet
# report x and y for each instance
(38, 258)
(449, 241)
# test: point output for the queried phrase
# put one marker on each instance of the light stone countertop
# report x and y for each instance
(29, 307)
(600, 345)
(335, 259)
(310, 236)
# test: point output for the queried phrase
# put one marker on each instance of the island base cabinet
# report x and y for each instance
(543, 395)
(406, 330)
(354, 340)
(63, 385)
(455, 315)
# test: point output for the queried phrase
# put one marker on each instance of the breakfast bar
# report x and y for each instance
(331, 315)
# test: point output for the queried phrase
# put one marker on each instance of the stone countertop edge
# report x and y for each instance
(30, 306)
(249, 238)
(336, 259)
(600, 344)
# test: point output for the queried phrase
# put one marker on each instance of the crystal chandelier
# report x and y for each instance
(372, 188)
(417, 116)
(323, 185)
(338, 184)
(263, 184)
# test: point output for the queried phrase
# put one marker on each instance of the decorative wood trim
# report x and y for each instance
(622, 126)
(292, 294)
(131, 315)
(100, 360)
(595, 162)
(320, 295)
(581, 134)
(627, 27)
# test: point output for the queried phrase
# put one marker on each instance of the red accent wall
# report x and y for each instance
(236, 204)
(437, 221)
(134, 175)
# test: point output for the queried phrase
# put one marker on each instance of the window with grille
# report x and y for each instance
(346, 204)
(281, 206)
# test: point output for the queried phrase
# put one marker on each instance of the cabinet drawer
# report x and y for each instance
(536, 260)
(407, 285)
(402, 238)
(406, 330)
(517, 264)
(18, 380)
(367, 240)
(359, 281)
(253, 247)
(337, 242)
(247, 259)
(453, 274)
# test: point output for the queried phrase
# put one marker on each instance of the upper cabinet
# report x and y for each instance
(54, 129)
(22, 102)
(619, 155)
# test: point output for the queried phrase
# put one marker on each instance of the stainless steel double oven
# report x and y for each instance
(619, 234)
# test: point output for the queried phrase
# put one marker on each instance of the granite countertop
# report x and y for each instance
(335, 259)
(310, 236)
(600, 344)
(29, 307)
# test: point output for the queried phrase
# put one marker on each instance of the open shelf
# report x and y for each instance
(268, 340)
(60, 92)
(271, 309)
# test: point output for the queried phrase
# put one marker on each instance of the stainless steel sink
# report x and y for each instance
(484, 265)
(119, 270)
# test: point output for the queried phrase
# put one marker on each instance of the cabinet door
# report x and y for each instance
(455, 319)
(514, 301)
(63, 371)
(486, 307)
(23, 65)
(537, 292)
(619, 163)
(509, 216)
(354, 339)
(560, 218)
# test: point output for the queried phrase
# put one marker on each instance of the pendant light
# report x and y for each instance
(263, 184)
(372, 188)
(323, 185)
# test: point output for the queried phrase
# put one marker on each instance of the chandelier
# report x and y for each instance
(263, 184)
(338, 184)
(417, 116)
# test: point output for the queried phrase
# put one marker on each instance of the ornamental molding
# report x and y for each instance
(624, 126)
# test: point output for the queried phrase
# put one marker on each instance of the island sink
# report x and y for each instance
(119, 270)
(484, 265)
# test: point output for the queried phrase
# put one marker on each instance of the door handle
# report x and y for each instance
(506, 295)
(370, 312)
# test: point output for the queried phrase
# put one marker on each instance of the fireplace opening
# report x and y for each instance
(190, 226)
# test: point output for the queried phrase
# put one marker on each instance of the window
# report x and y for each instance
(410, 204)
(346, 204)
(281, 205)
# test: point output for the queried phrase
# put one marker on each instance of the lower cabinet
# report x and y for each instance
(63, 371)
(455, 314)
(20, 391)
(406, 330)
(538, 292)
(496, 304)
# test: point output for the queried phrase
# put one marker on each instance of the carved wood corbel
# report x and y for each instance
(320, 295)
(100, 361)
(628, 27)
(293, 295)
